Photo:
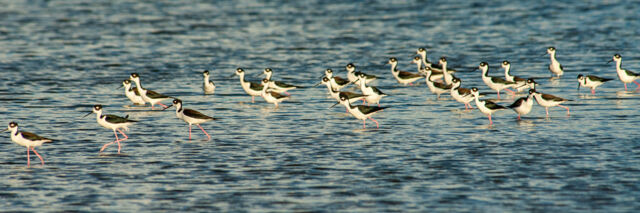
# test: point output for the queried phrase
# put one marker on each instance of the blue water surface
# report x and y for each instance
(58, 58)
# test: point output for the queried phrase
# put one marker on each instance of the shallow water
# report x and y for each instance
(58, 58)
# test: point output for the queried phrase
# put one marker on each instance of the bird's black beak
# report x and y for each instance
(317, 84)
(87, 114)
(121, 85)
(232, 75)
(5, 130)
(167, 107)
(334, 104)
(609, 61)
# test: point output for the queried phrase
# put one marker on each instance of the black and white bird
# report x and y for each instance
(337, 83)
(485, 106)
(132, 93)
(437, 88)
(372, 94)
(148, 95)
(436, 68)
(523, 105)
(495, 83)
(462, 95)
(625, 75)
(277, 86)
(402, 76)
(521, 83)
(353, 97)
(251, 88)
(448, 77)
(191, 117)
(547, 100)
(271, 96)
(27, 139)
(416, 60)
(208, 86)
(555, 67)
(352, 74)
(361, 112)
(113, 122)
(591, 81)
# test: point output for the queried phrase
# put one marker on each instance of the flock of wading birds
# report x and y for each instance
(438, 77)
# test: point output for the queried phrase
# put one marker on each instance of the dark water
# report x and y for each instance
(58, 58)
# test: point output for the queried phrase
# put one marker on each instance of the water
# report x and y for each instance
(58, 58)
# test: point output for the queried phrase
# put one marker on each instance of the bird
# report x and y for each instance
(27, 139)
(191, 117)
(436, 87)
(132, 93)
(361, 112)
(591, 81)
(148, 95)
(547, 100)
(372, 94)
(434, 77)
(462, 95)
(625, 75)
(208, 86)
(402, 76)
(437, 69)
(270, 96)
(447, 75)
(116, 123)
(495, 83)
(277, 86)
(530, 83)
(485, 106)
(555, 67)
(336, 94)
(251, 88)
(352, 75)
(521, 83)
(337, 83)
(523, 105)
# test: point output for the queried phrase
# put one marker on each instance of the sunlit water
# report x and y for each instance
(58, 58)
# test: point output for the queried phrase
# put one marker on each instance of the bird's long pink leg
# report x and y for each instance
(377, 125)
(165, 106)
(253, 99)
(364, 123)
(565, 108)
(189, 131)
(625, 86)
(490, 121)
(518, 116)
(117, 140)
(546, 109)
(285, 92)
(637, 83)
(512, 92)
(125, 138)
(28, 158)
(498, 94)
(151, 106)
(205, 132)
(34, 151)
(593, 91)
